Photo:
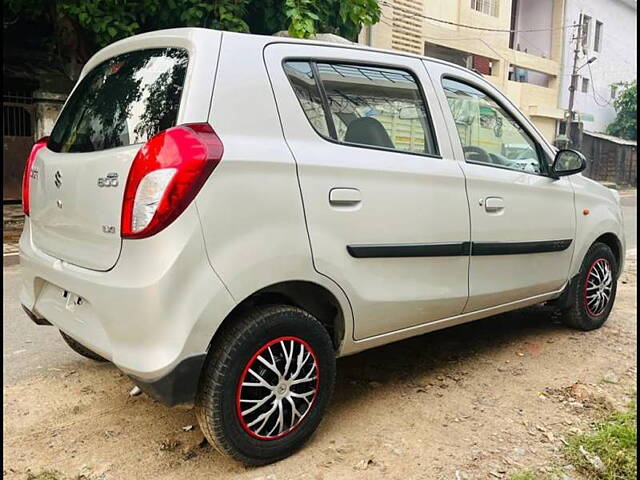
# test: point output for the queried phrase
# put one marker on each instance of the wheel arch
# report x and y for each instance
(610, 233)
(309, 296)
(613, 242)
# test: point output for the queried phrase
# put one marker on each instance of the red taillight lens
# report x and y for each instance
(26, 176)
(166, 175)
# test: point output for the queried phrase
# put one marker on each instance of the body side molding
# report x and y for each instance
(454, 249)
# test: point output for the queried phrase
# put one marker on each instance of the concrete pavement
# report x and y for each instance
(27, 348)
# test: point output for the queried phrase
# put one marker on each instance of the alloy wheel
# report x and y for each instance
(598, 287)
(277, 388)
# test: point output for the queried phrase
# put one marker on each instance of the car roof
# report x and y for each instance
(263, 40)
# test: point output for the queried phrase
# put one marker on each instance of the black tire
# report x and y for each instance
(220, 389)
(81, 349)
(579, 315)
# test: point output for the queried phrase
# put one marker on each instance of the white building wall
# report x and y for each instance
(616, 59)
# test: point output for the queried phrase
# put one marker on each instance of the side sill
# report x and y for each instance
(360, 345)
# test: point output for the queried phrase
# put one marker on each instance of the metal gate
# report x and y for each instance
(18, 126)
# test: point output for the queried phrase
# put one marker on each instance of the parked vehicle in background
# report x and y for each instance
(222, 215)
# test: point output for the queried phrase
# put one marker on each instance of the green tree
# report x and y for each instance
(81, 27)
(626, 105)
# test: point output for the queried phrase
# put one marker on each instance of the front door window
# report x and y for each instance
(489, 135)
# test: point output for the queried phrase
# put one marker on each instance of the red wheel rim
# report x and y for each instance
(277, 388)
(598, 287)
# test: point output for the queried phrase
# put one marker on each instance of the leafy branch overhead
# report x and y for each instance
(87, 25)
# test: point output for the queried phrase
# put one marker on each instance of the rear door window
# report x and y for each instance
(364, 105)
(122, 101)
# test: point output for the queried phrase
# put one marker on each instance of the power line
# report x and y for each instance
(395, 25)
(470, 38)
(484, 29)
(523, 39)
(593, 90)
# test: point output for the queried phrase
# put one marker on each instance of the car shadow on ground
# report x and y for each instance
(405, 362)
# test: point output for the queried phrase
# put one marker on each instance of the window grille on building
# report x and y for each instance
(597, 39)
(586, 30)
(490, 7)
(17, 119)
(18, 129)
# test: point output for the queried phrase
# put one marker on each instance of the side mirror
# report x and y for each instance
(568, 162)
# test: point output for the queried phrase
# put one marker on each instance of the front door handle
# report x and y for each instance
(344, 197)
(493, 204)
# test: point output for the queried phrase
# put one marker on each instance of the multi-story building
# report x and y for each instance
(516, 44)
(609, 37)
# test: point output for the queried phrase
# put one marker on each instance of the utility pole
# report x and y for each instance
(574, 78)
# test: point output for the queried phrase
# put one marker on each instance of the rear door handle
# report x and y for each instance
(493, 204)
(344, 197)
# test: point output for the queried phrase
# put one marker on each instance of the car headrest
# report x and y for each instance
(368, 131)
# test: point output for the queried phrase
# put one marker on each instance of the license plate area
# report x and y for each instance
(72, 300)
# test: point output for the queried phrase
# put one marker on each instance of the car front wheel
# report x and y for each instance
(594, 291)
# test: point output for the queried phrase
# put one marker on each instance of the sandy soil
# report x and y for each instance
(477, 401)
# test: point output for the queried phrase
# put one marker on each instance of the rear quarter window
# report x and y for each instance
(123, 101)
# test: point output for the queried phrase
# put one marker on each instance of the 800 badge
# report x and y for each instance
(111, 180)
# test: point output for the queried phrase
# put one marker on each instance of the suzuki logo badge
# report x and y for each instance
(58, 179)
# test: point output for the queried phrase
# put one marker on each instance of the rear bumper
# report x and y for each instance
(178, 386)
(34, 318)
(160, 305)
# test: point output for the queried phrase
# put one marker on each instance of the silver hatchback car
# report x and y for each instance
(221, 215)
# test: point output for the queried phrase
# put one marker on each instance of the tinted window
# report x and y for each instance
(375, 106)
(487, 132)
(301, 78)
(123, 101)
(378, 107)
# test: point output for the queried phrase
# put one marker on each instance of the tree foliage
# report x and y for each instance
(81, 27)
(626, 104)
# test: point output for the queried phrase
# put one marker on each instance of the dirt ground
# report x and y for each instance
(477, 401)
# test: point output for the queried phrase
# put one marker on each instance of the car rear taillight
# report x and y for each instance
(166, 175)
(28, 172)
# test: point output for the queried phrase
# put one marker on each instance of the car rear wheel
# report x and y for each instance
(594, 291)
(81, 349)
(266, 384)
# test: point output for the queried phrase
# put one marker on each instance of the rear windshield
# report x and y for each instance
(123, 101)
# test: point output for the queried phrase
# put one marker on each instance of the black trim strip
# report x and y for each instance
(409, 250)
(518, 248)
(331, 126)
(455, 249)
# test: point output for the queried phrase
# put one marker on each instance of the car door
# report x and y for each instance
(384, 202)
(522, 220)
